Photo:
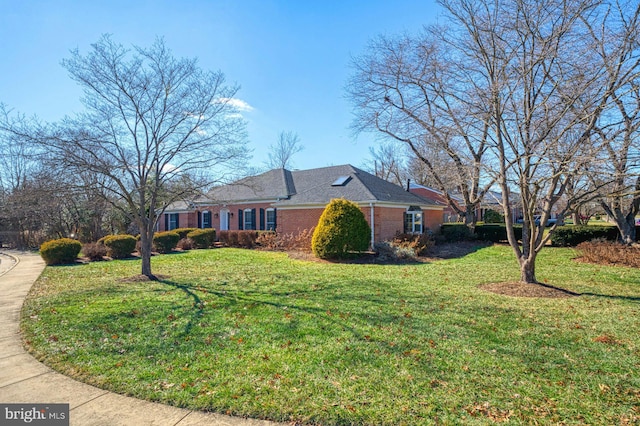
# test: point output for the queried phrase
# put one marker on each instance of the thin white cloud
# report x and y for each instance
(239, 104)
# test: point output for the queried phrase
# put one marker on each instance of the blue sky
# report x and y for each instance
(291, 58)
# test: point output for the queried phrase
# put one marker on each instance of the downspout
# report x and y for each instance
(372, 225)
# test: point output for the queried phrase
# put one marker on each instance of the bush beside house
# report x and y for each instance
(341, 231)
(202, 238)
(165, 242)
(119, 246)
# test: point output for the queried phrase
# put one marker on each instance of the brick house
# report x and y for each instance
(491, 201)
(292, 201)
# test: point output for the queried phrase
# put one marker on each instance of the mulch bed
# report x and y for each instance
(518, 289)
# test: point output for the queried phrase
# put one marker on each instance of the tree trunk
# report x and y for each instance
(528, 270)
(577, 220)
(146, 242)
(626, 223)
(627, 230)
(470, 218)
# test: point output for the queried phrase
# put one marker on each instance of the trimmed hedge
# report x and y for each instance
(119, 246)
(239, 239)
(563, 236)
(60, 251)
(454, 232)
(182, 232)
(165, 242)
(496, 232)
(341, 231)
(203, 238)
(570, 236)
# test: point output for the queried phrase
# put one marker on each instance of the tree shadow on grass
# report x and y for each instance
(542, 290)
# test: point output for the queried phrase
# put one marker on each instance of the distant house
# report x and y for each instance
(491, 201)
(292, 201)
(449, 214)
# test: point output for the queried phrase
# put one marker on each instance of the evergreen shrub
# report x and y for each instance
(492, 216)
(455, 232)
(342, 230)
(571, 236)
(203, 238)
(165, 242)
(60, 251)
(182, 232)
(119, 246)
(496, 232)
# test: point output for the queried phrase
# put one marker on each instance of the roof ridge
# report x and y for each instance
(356, 172)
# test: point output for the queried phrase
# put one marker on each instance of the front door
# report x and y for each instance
(224, 220)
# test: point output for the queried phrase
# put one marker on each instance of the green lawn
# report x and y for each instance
(258, 334)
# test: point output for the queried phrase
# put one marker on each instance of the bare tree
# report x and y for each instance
(387, 161)
(150, 120)
(531, 58)
(281, 153)
(514, 92)
(409, 89)
(618, 129)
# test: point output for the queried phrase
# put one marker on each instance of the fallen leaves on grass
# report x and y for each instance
(606, 339)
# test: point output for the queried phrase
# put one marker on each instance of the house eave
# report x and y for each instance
(362, 203)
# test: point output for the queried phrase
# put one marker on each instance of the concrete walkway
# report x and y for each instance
(25, 380)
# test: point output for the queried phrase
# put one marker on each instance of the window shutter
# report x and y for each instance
(177, 220)
(262, 219)
(199, 219)
(166, 222)
(407, 223)
(240, 220)
(275, 219)
(253, 219)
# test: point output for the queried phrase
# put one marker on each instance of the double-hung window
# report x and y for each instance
(413, 221)
(271, 219)
(172, 221)
(249, 219)
(206, 219)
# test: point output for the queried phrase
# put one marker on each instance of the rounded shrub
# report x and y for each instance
(165, 242)
(492, 216)
(203, 238)
(183, 232)
(341, 231)
(60, 251)
(119, 246)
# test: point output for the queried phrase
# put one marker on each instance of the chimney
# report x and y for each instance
(408, 184)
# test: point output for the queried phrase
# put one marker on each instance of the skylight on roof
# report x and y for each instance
(341, 181)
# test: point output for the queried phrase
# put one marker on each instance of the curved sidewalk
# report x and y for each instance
(23, 379)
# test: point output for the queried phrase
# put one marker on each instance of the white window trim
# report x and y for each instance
(247, 213)
(413, 215)
(202, 219)
(272, 224)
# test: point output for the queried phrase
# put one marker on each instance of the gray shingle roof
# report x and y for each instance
(271, 185)
(314, 186)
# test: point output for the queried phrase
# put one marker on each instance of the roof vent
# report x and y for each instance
(341, 181)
